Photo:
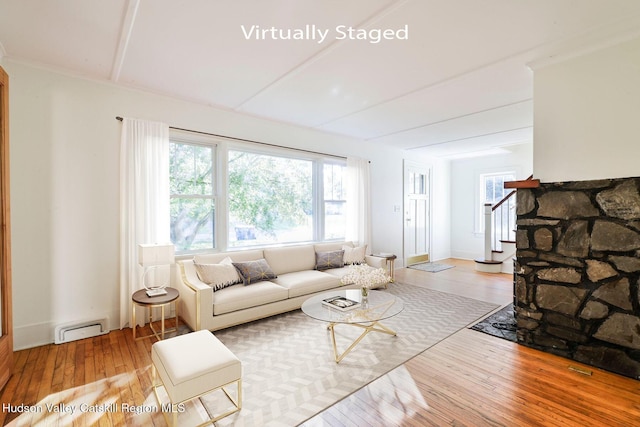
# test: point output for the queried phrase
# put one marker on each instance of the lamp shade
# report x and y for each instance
(156, 254)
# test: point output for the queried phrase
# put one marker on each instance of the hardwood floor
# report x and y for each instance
(469, 379)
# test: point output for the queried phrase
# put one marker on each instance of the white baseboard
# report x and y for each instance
(465, 255)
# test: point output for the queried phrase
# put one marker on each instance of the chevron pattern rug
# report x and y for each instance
(289, 373)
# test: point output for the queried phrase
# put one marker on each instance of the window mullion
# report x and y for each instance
(318, 200)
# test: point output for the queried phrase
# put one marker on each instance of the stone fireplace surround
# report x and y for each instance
(577, 273)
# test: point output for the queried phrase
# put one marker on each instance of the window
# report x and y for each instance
(335, 221)
(272, 199)
(492, 191)
(193, 198)
(493, 186)
(226, 194)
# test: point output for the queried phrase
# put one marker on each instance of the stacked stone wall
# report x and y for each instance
(577, 273)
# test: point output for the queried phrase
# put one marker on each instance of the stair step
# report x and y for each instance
(487, 261)
(496, 251)
(508, 241)
(488, 265)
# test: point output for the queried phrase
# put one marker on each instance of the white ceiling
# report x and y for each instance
(460, 83)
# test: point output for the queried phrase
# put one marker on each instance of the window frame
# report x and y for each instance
(220, 152)
(188, 138)
(317, 161)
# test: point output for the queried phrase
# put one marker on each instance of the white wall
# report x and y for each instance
(466, 242)
(440, 209)
(587, 112)
(65, 182)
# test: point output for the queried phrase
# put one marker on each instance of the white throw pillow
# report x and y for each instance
(354, 255)
(220, 275)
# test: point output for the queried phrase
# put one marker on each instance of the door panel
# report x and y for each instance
(417, 236)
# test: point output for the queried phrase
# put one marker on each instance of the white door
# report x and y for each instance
(417, 207)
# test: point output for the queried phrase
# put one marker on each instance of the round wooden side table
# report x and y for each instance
(141, 299)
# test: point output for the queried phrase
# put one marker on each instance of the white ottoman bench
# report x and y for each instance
(193, 365)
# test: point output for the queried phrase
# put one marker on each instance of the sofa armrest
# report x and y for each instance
(375, 261)
(196, 296)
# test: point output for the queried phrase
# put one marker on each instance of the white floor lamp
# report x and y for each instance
(151, 256)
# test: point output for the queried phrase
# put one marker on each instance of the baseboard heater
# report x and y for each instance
(79, 330)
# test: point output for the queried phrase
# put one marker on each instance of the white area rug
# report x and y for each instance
(289, 373)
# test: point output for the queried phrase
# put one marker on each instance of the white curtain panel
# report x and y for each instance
(358, 201)
(144, 200)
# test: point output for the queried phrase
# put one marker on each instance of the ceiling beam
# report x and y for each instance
(125, 35)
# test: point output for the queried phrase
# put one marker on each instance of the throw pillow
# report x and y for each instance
(254, 271)
(220, 275)
(327, 260)
(354, 255)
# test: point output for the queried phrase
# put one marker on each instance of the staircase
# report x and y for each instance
(499, 235)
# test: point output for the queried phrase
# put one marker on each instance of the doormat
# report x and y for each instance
(431, 267)
(501, 324)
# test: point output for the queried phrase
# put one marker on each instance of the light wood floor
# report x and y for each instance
(469, 379)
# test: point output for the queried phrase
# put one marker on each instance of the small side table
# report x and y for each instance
(140, 298)
(390, 263)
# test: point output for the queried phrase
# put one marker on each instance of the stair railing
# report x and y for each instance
(500, 222)
(504, 220)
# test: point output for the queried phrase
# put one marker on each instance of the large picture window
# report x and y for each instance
(271, 196)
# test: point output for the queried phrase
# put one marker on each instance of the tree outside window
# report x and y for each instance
(270, 199)
(192, 192)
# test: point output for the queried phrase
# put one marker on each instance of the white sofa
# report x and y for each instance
(297, 279)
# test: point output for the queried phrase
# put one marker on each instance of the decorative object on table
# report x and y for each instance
(366, 277)
(340, 303)
(152, 256)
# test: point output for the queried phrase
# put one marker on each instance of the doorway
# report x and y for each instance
(417, 213)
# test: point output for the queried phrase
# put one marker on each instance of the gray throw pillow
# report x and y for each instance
(331, 259)
(254, 271)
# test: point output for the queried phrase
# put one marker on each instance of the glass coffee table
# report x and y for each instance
(367, 315)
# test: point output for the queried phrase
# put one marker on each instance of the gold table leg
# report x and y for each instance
(159, 335)
(372, 327)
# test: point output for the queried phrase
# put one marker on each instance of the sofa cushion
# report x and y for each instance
(338, 272)
(327, 260)
(307, 282)
(220, 275)
(239, 297)
(291, 258)
(354, 255)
